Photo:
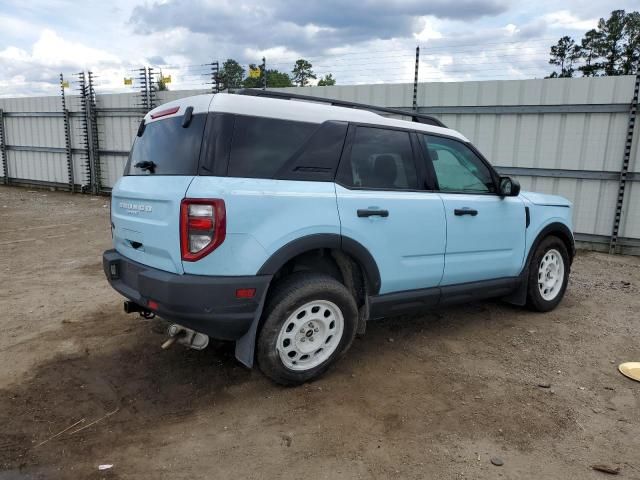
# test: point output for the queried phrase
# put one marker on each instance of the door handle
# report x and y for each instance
(372, 213)
(465, 211)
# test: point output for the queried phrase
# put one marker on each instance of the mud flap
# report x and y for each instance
(519, 295)
(363, 317)
(246, 345)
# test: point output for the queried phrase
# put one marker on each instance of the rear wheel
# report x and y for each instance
(310, 322)
(548, 275)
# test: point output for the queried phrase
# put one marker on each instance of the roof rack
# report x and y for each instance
(415, 117)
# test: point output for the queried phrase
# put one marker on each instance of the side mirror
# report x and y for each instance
(509, 187)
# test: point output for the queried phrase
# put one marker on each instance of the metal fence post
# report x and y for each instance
(3, 150)
(264, 73)
(625, 166)
(415, 80)
(151, 88)
(94, 144)
(86, 132)
(67, 137)
(144, 91)
(215, 79)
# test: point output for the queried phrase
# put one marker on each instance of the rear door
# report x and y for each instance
(383, 205)
(145, 202)
(485, 232)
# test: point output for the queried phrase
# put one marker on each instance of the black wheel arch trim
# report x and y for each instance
(561, 230)
(331, 241)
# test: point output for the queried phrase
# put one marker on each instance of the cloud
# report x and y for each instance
(38, 69)
(311, 28)
(564, 19)
(363, 41)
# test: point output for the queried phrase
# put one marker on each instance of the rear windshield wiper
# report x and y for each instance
(146, 165)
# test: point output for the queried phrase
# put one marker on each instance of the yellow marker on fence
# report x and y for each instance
(65, 84)
(254, 72)
(166, 79)
(128, 81)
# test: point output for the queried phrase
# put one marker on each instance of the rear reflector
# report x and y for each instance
(203, 227)
(164, 113)
(152, 305)
(245, 292)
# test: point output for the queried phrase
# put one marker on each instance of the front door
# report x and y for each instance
(383, 206)
(485, 232)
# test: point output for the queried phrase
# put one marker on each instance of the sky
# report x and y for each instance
(364, 41)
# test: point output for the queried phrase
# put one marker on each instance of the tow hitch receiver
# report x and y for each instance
(185, 336)
(133, 307)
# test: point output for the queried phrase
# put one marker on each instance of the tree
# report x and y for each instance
(161, 83)
(631, 48)
(589, 48)
(564, 54)
(252, 80)
(278, 79)
(231, 74)
(612, 48)
(275, 79)
(611, 41)
(327, 80)
(302, 72)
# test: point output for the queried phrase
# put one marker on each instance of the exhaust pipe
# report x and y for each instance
(185, 336)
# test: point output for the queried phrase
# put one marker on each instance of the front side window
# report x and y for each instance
(457, 167)
(380, 158)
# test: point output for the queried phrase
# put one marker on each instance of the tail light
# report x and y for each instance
(203, 227)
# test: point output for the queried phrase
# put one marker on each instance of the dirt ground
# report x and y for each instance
(433, 396)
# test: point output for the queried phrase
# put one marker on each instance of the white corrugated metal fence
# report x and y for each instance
(562, 136)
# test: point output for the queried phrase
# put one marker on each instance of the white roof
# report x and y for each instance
(297, 110)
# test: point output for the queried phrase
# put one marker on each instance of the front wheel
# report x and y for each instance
(310, 322)
(548, 275)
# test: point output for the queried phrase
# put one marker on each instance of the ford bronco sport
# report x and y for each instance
(285, 224)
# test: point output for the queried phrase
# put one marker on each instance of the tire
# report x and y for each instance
(307, 314)
(548, 275)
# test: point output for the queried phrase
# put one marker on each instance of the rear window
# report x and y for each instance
(262, 146)
(380, 158)
(173, 149)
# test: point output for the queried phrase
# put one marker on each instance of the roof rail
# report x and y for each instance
(415, 117)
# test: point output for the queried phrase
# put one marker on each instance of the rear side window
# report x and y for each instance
(380, 158)
(261, 146)
(173, 149)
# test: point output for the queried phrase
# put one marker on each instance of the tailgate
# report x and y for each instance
(145, 212)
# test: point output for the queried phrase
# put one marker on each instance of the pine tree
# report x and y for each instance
(564, 54)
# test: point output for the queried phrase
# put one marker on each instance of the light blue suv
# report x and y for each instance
(285, 223)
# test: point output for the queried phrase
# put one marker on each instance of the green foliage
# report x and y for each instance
(612, 48)
(302, 72)
(631, 49)
(611, 34)
(564, 54)
(275, 79)
(161, 86)
(231, 74)
(327, 80)
(589, 54)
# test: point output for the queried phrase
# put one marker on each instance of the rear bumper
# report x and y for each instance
(207, 304)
